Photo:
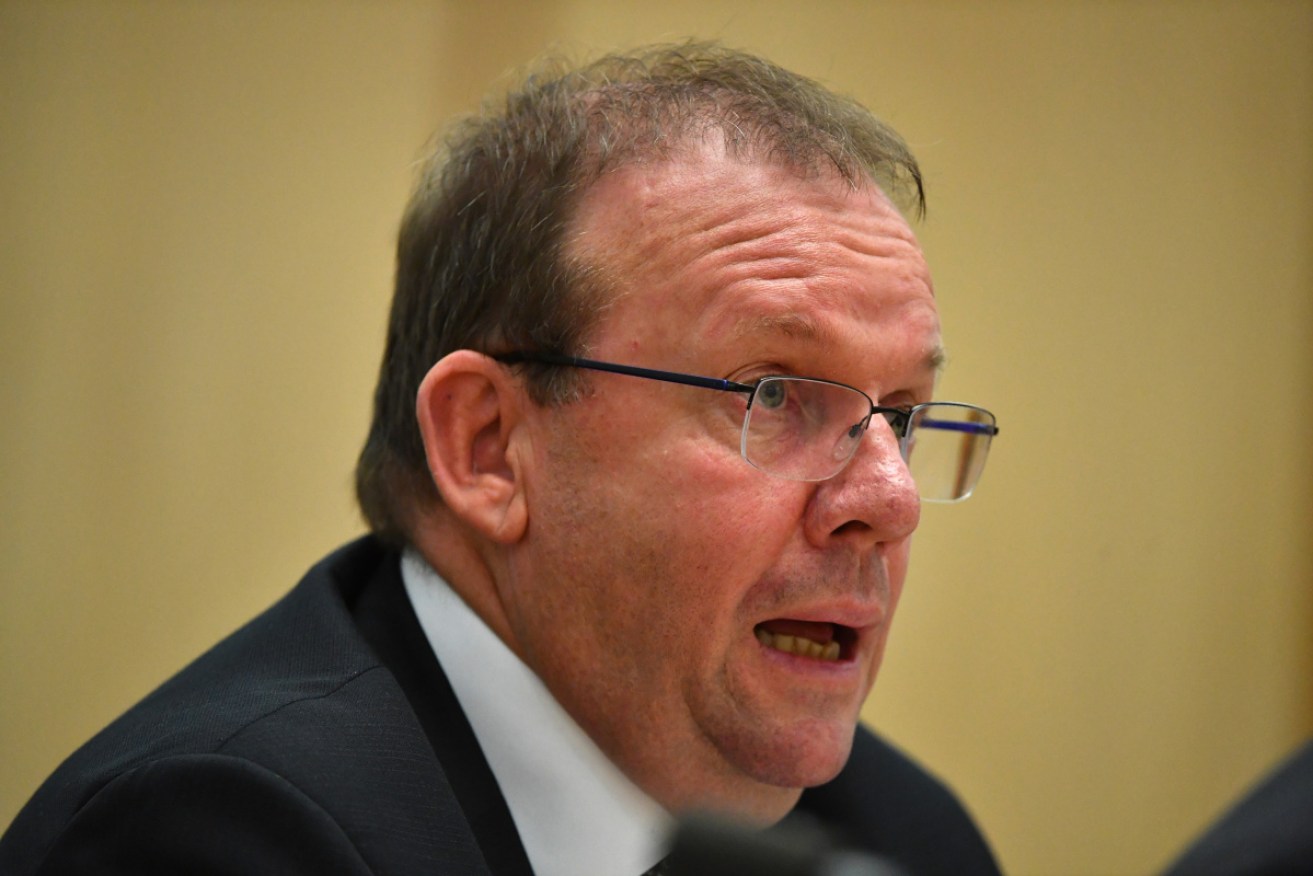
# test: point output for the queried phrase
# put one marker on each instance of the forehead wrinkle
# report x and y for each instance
(785, 244)
(798, 235)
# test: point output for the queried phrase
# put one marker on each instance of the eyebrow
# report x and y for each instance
(802, 327)
(791, 325)
(937, 359)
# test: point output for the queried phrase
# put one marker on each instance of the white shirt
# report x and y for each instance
(576, 813)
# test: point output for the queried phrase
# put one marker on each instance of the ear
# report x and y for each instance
(468, 408)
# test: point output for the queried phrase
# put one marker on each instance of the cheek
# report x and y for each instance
(656, 542)
(649, 517)
(723, 521)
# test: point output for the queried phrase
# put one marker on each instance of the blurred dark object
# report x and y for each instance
(1269, 832)
(712, 845)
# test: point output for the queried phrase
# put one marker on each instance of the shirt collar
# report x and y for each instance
(577, 814)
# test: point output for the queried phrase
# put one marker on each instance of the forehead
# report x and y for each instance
(710, 249)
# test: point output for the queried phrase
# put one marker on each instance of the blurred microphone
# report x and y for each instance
(712, 845)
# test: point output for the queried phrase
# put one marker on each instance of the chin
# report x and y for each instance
(778, 783)
(800, 757)
(762, 768)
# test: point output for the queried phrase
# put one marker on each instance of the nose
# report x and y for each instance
(871, 503)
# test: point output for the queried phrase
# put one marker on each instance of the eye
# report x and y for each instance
(897, 419)
(772, 394)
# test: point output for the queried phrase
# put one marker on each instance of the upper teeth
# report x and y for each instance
(800, 645)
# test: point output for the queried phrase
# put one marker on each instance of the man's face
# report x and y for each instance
(655, 556)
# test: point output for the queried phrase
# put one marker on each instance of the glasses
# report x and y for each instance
(806, 429)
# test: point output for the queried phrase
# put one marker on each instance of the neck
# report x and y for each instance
(471, 569)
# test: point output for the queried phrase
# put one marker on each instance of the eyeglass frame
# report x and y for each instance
(898, 418)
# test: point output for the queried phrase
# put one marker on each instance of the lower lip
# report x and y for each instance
(842, 668)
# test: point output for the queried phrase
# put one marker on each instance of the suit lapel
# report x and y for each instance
(387, 621)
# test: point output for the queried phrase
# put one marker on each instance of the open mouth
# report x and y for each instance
(817, 640)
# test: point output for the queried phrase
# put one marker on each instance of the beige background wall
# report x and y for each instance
(1098, 650)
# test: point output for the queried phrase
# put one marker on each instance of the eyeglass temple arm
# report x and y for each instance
(958, 426)
(629, 370)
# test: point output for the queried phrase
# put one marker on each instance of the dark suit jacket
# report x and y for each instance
(1267, 833)
(322, 737)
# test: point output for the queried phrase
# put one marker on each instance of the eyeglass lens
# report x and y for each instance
(805, 429)
(946, 449)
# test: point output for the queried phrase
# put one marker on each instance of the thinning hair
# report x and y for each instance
(482, 261)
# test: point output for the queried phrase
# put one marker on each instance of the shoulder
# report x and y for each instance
(1269, 831)
(290, 726)
(887, 804)
(198, 813)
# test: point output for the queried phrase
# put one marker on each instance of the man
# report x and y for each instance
(624, 564)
